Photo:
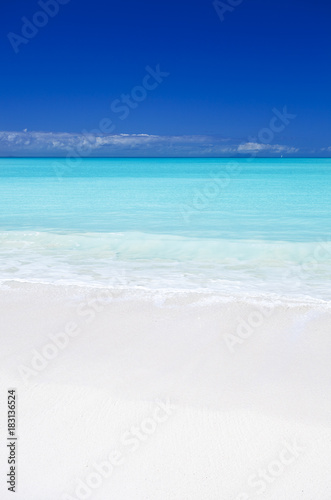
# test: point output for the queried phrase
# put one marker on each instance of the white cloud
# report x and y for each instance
(64, 143)
(250, 147)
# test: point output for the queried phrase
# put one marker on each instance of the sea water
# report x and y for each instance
(236, 226)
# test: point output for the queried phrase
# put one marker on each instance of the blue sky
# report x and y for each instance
(175, 78)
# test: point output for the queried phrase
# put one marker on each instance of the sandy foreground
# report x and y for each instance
(136, 396)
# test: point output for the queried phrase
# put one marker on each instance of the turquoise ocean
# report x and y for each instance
(242, 227)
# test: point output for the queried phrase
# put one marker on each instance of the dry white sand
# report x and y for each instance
(155, 396)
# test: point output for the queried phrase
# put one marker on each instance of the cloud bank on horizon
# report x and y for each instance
(26, 143)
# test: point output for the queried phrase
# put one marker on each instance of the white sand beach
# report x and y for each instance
(166, 395)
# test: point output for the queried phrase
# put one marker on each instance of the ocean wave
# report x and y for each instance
(134, 259)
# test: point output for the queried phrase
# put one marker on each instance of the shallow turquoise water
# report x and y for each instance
(232, 225)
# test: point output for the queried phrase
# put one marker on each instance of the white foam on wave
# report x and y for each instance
(238, 268)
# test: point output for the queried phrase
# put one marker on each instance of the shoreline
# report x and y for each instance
(140, 292)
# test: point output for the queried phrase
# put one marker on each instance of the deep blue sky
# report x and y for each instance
(225, 77)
